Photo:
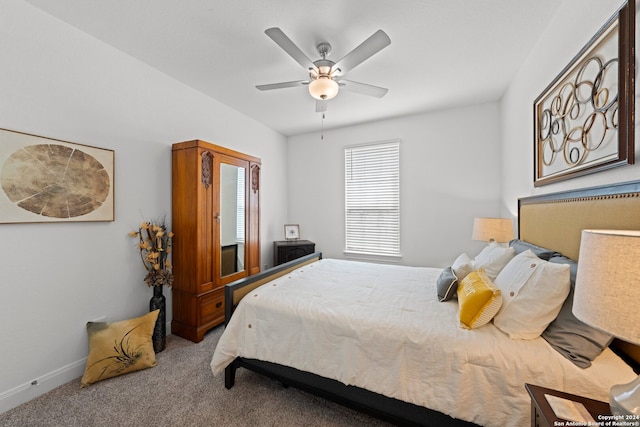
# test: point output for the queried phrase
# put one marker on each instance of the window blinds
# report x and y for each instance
(240, 204)
(372, 198)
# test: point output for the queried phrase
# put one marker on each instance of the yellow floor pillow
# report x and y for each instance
(117, 348)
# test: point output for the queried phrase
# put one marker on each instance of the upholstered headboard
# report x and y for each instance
(556, 221)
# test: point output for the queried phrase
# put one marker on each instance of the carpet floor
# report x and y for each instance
(182, 391)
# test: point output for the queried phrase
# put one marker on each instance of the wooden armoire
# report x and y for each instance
(216, 225)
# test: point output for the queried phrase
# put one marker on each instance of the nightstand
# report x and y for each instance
(542, 414)
(287, 250)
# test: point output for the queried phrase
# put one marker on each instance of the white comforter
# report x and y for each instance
(381, 327)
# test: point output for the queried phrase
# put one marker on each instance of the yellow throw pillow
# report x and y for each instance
(479, 300)
(118, 348)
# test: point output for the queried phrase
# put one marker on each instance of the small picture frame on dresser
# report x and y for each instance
(291, 231)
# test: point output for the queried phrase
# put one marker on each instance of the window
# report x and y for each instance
(372, 198)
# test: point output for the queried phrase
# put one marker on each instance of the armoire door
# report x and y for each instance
(230, 218)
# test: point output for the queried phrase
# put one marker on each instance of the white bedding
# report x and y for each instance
(381, 327)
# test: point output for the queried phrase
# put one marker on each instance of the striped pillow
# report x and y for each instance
(479, 300)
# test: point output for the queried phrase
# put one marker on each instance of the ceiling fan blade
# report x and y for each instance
(363, 88)
(288, 46)
(282, 85)
(321, 105)
(374, 44)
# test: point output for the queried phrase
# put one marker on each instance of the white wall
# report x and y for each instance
(449, 174)
(575, 22)
(61, 83)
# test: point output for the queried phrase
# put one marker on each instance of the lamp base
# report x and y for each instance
(624, 399)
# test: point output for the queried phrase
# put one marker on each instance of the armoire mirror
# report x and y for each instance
(232, 219)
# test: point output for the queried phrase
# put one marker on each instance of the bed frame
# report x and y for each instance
(553, 221)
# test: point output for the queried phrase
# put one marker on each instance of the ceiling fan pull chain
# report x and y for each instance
(322, 128)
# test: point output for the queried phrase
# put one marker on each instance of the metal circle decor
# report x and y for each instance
(55, 181)
(582, 114)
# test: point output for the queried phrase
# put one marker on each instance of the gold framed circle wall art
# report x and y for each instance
(583, 121)
(49, 180)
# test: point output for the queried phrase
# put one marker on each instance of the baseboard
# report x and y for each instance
(38, 386)
(41, 385)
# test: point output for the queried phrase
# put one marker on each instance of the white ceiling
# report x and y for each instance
(442, 53)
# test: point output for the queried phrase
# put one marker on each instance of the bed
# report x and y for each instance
(444, 375)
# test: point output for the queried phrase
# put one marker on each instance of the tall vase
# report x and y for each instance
(159, 337)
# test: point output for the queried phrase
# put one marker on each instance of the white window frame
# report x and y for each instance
(372, 201)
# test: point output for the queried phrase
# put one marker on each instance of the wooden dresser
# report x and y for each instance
(287, 250)
(217, 236)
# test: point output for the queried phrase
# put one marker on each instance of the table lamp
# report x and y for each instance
(492, 229)
(607, 296)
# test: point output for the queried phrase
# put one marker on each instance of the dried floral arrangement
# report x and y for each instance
(155, 246)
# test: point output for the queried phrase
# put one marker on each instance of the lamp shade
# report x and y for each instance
(492, 229)
(607, 295)
(323, 88)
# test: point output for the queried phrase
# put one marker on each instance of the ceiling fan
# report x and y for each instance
(325, 75)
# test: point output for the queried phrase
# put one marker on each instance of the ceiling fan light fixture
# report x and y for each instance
(323, 88)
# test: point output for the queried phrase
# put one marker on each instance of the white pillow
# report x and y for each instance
(462, 266)
(533, 292)
(493, 258)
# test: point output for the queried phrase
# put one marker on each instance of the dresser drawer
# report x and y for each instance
(212, 307)
(284, 251)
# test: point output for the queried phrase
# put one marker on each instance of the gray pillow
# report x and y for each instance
(573, 266)
(542, 253)
(574, 339)
(447, 284)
